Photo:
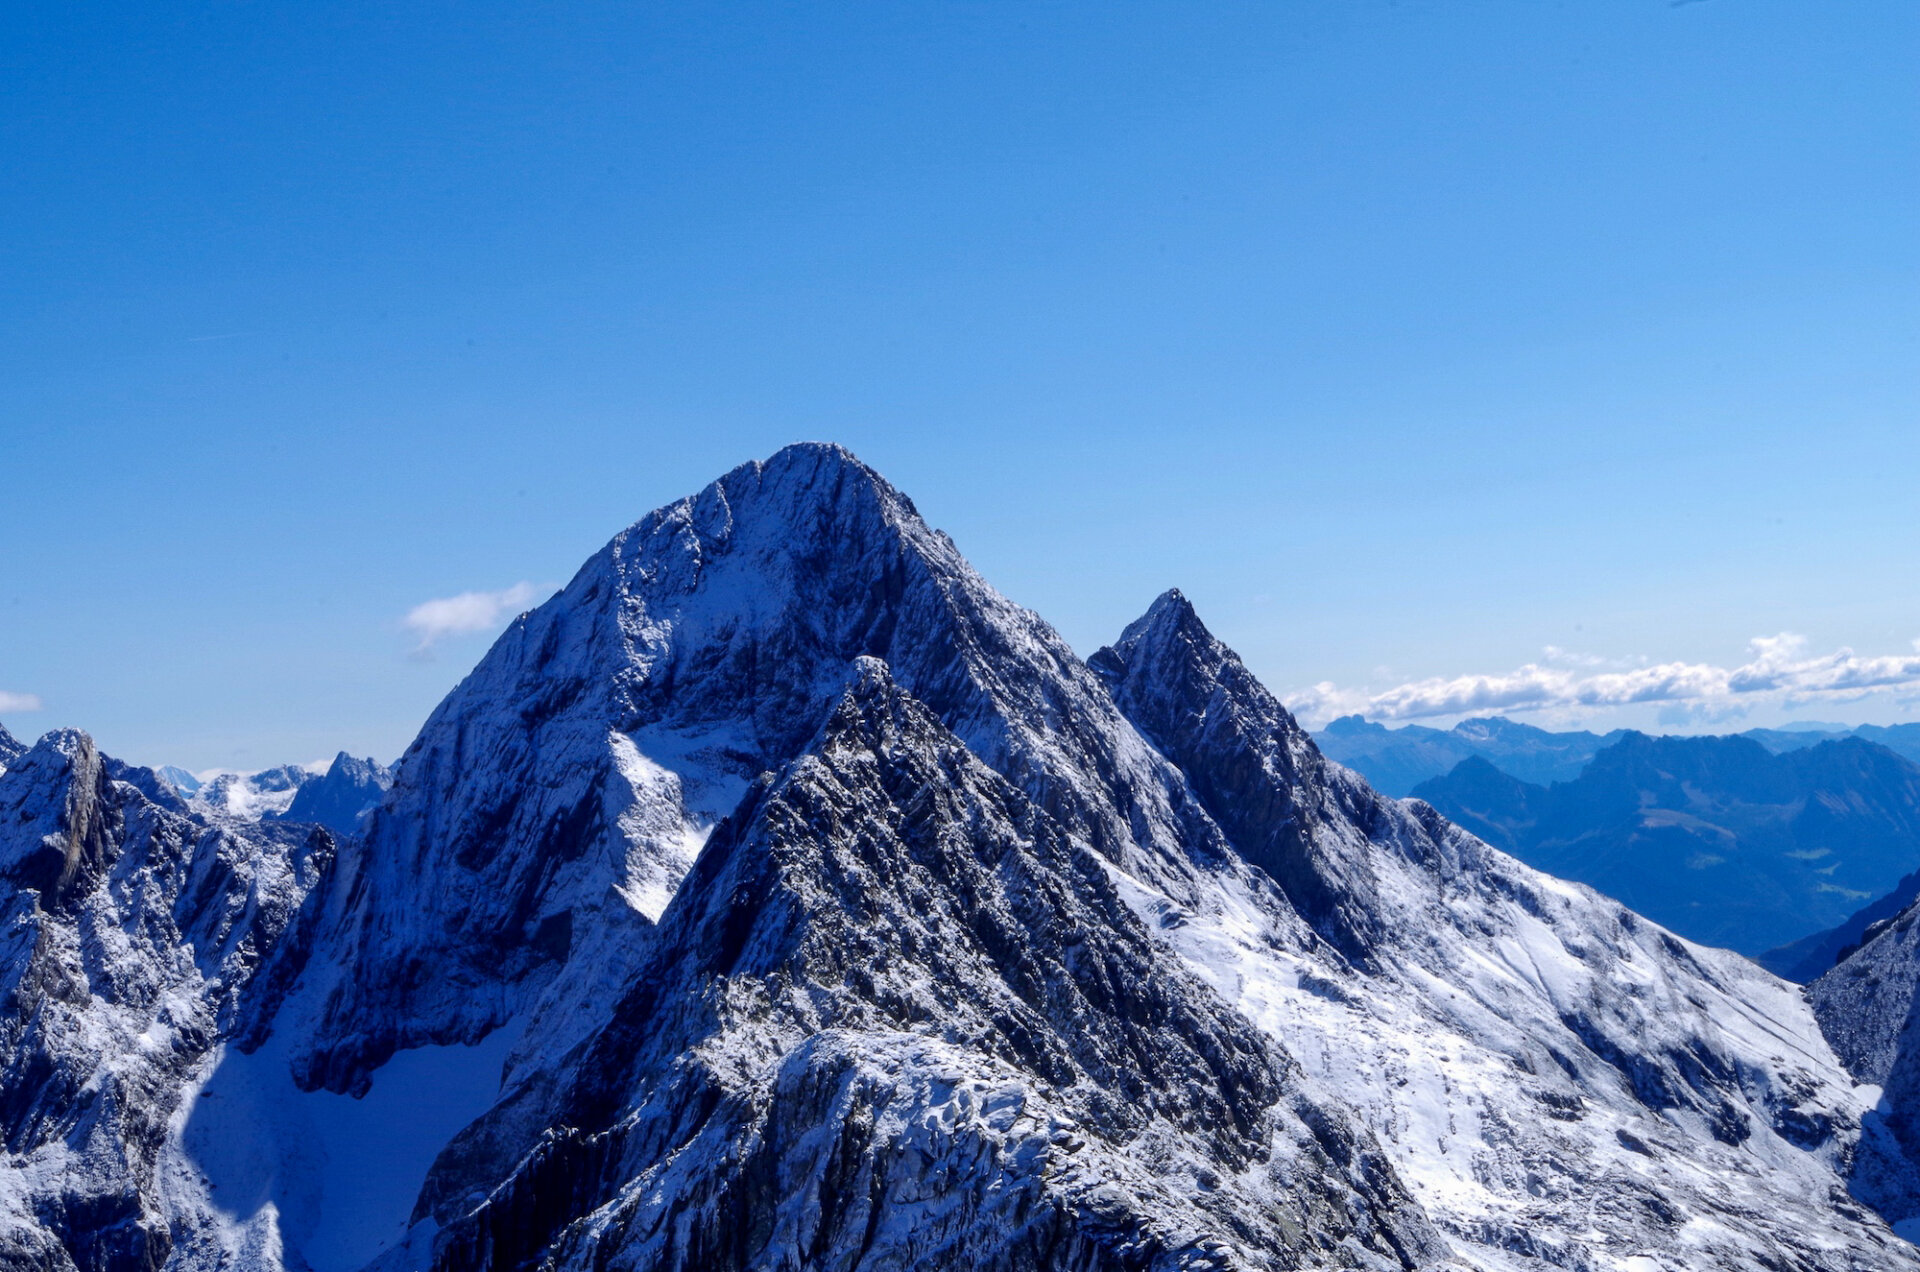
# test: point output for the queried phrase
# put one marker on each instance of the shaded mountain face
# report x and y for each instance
(1870, 1007)
(343, 797)
(1396, 760)
(132, 932)
(1902, 739)
(11, 748)
(830, 913)
(1719, 838)
(183, 783)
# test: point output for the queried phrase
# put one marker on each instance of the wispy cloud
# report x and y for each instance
(19, 701)
(435, 620)
(1778, 667)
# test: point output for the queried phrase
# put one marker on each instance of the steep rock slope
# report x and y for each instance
(1556, 1078)
(551, 804)
(1718, 838)
(898, 1018)
(11, 748)
(131, 931)
(1870, 1007)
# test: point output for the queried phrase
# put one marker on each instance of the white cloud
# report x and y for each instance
(19, 701)
(1778, 668)
(433, 621)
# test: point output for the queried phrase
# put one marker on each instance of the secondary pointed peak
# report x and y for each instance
(1170, 623)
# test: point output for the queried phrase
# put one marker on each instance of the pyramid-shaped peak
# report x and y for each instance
(822, 470)
(1170, 627)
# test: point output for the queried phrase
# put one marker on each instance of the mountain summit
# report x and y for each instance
(779, 895)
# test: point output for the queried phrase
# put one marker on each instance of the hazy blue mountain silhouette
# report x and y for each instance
(1395, 760)
(1719, 838)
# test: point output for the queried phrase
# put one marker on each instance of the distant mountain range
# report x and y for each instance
(340, 798)
(1719, 838)
(1396, 760)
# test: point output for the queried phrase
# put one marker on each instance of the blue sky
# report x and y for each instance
(1411, 340)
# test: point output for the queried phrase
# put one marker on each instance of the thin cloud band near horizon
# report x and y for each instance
(1778, 669)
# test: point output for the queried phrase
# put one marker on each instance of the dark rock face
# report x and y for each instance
(925, 1031)
(1719, 838)
(1869, 1006)
(130, 932)
(343, 797)
(1255, 770)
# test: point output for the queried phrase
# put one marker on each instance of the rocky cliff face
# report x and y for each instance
(1869, 1005)
(132, 933)
(841, 917)
(921, 1027)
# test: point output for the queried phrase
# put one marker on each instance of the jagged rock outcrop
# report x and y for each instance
(898, 1018)
(130, 933)
(11, 748)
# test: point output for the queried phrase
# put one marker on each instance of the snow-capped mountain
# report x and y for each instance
(184, 784)
(11, 748)
(821, 908)
(342, 798)
(251, 796)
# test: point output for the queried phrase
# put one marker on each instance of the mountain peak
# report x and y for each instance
(59, 789)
